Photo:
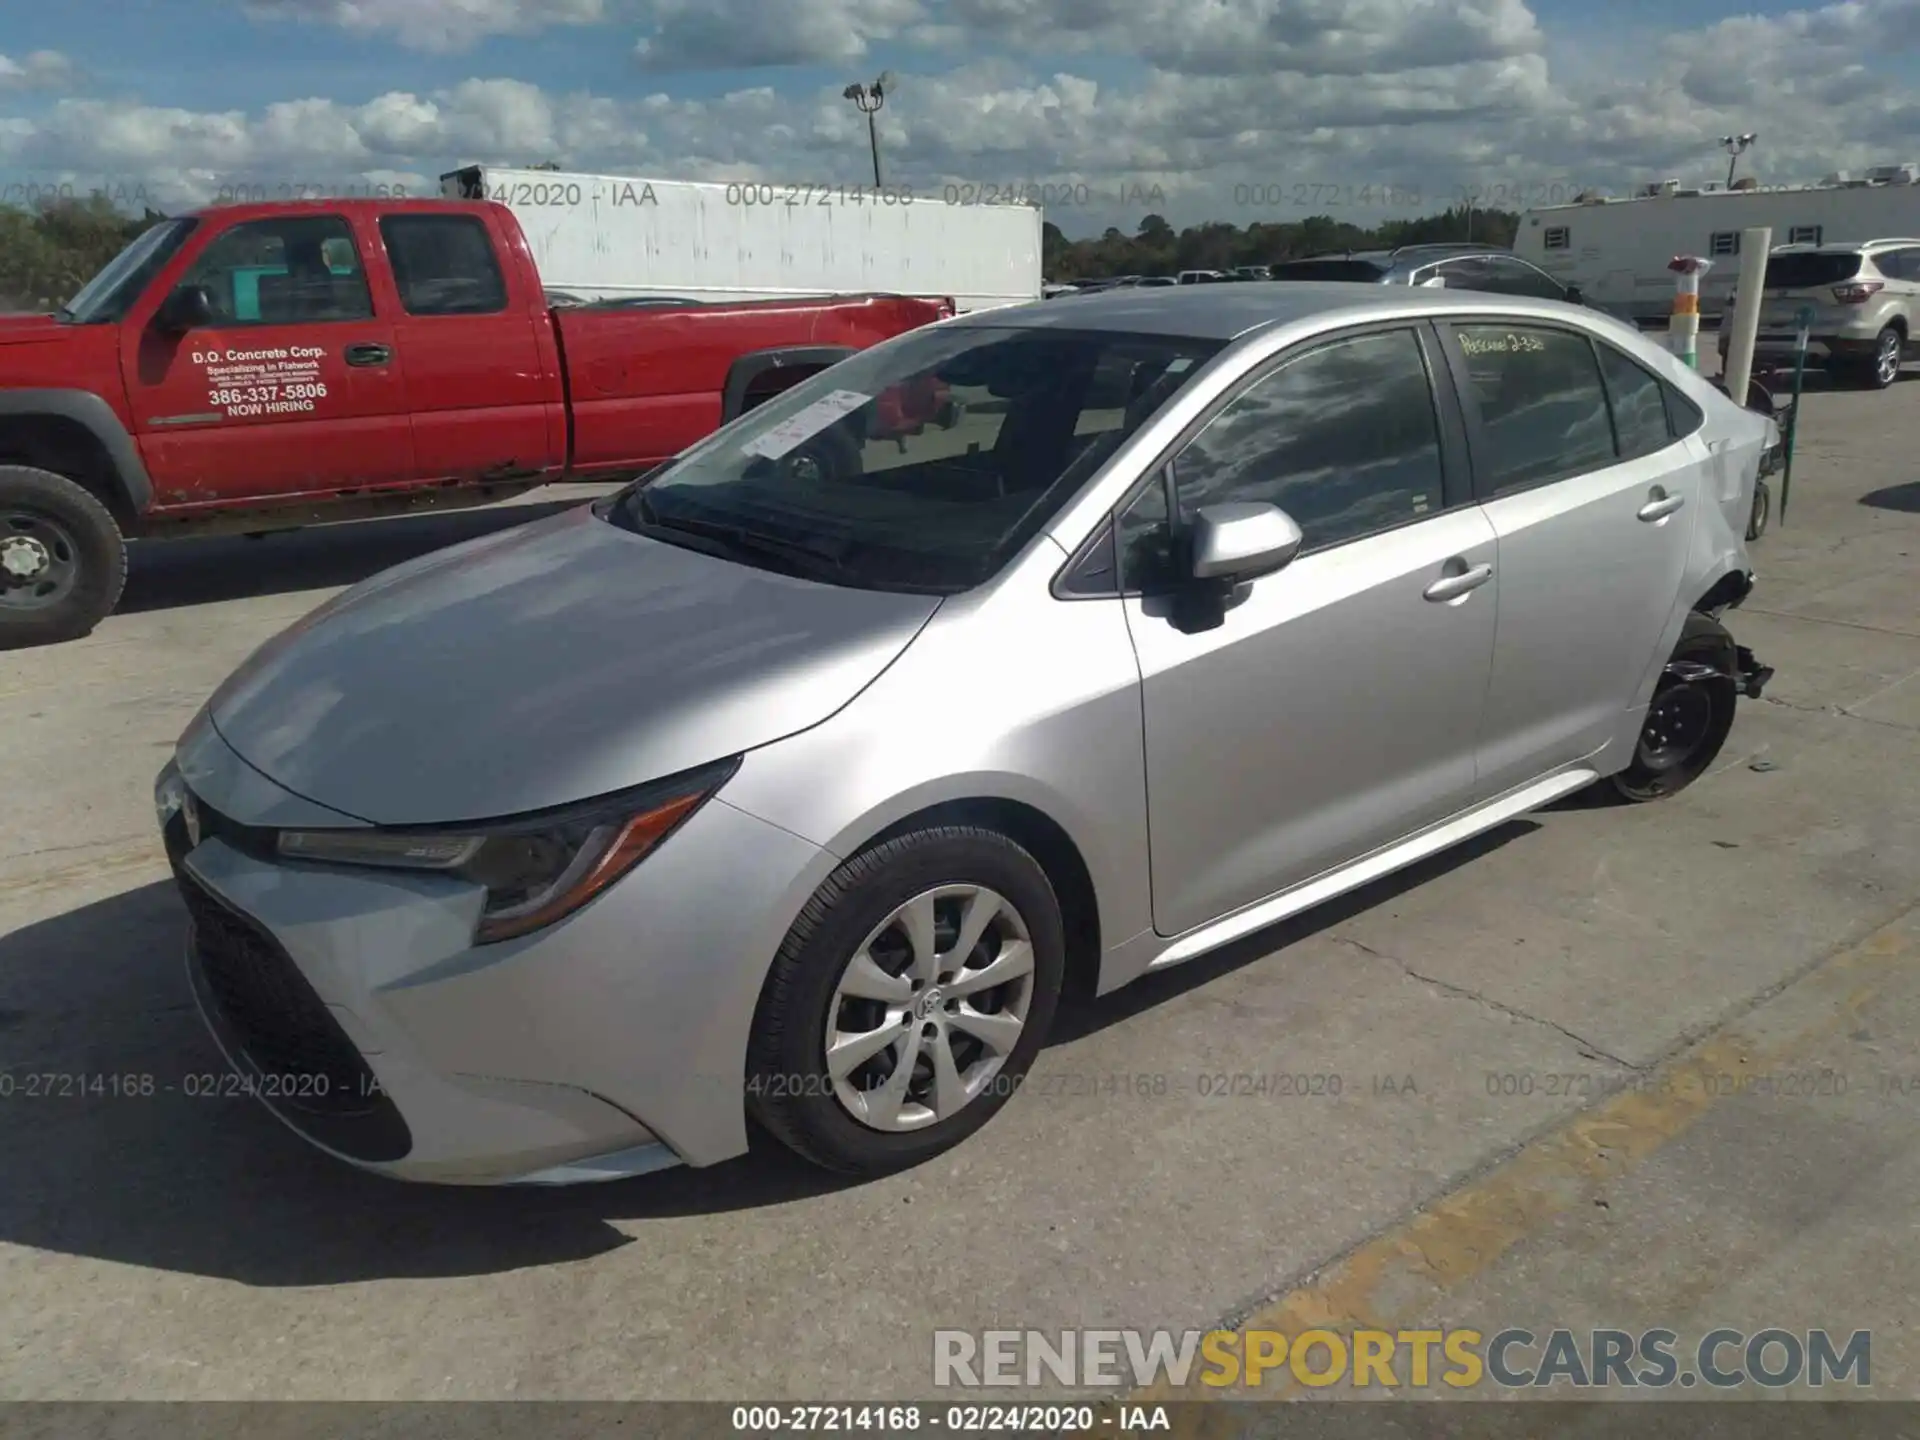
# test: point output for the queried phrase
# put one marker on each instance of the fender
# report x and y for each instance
(756, 363)
(96, 416)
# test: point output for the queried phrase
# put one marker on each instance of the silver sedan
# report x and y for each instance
(1028, 652)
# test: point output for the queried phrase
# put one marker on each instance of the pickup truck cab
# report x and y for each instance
(259, 367)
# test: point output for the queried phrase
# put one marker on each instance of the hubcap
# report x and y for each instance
(929, 1008)
(1889, 358)
(38, 560)
(1677, 723)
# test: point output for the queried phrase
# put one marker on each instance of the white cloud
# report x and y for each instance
(40, 70)
(435, 25)
(1428, 97)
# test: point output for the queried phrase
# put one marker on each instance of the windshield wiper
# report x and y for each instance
(750, 546)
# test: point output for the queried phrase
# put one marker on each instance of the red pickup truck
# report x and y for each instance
(258, 367)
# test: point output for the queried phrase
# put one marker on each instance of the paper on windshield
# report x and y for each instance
(803, 425)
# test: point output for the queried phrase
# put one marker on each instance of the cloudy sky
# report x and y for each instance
(1220, 109)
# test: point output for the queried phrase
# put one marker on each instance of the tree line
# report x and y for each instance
(1156, 248)
(49, 250)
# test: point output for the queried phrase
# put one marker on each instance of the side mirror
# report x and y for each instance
(190, 307)
(1574, 297)
(1243, 541)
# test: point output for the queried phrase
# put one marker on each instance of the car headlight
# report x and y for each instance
(536, 869)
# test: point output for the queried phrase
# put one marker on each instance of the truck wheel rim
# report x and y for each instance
(39, 561)
(1888, 361)
(929, 1008)
(1677, 722)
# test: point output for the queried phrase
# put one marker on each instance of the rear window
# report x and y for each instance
(1359, 270)
(1807, 272)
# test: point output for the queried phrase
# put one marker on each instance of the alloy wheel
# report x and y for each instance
(929, 1008)
(1886, 363)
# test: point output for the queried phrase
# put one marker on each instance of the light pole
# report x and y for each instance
(869, 99)
(1735, 146)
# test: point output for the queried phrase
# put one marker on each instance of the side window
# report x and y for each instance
(1515, 277)
(1682, 414)
(1639, 409)
(1464, 274)
(286, 271)
(1900, 265)
(1343, 438)
(444, 265)
(1144, 538)
(1543, 410)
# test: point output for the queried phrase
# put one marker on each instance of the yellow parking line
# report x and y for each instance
(1395, 1280)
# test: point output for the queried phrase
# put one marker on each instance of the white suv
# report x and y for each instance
(1865, 298)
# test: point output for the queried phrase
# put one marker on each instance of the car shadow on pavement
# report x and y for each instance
(112, 1155)
(168, 574)
(1905, 498)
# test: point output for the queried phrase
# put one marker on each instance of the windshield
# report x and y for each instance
(106, 298)
(1807, 272)
(922, 464)
(1361, 270)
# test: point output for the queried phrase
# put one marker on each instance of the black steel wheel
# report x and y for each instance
(1689, 717)
(62, 560)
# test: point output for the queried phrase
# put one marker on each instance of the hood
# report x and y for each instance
(544, 665)
(19, 329)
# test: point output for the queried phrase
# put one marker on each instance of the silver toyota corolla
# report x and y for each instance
(794, 784)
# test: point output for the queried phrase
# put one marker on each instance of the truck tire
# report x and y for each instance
(63, 562)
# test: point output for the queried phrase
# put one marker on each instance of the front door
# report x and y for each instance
(1334, 708)
(1594, 499)
(294, 389)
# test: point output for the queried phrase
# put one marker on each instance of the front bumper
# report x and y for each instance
(354, 1005)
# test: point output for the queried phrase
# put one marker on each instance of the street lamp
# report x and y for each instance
(869, 99)
(1735, 146)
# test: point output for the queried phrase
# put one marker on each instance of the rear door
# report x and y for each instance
(479, 380)
(1593, 500)
(293, 390)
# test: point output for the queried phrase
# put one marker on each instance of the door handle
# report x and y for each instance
(369, 354)
(1452, 587)
(1660, 507)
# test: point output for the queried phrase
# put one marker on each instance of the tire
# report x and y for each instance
(1875, 372)
(63, 562)
(1687, 720)
(846, 1119)
(1762, 510)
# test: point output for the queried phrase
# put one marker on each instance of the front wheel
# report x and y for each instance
(62, 560)
(908, 1000)
(1689, 717)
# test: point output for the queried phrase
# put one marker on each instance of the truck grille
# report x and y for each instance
(305, 1068)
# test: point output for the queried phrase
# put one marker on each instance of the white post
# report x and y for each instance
(1741, 324)
(1683, 325)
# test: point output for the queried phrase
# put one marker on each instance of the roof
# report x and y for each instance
(1224, 312)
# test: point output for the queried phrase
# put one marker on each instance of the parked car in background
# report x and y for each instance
(1411, 562)
(1201, 277)
(1486, 268)
(1253, 272)
(1865, 299)
(261, 367)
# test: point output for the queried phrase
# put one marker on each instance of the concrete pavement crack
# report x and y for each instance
(1499, 1007)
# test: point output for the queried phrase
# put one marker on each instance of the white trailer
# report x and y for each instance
(602, 237)
(1617, 250)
